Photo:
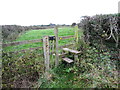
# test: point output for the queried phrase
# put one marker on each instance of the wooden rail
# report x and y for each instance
(24, 50)
(65, 37)
(31, 41)
(36, 48)
(21, 42)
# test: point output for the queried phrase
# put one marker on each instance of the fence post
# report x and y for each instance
(56, 46)
(76, 34)
(0, 57)
(46, 55)
(119, 55)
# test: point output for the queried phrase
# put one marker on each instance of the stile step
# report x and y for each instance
(72, 51)
(68, 60)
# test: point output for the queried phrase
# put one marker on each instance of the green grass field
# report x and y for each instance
(38, 34)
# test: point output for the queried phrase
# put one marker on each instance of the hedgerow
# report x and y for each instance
(102, 29)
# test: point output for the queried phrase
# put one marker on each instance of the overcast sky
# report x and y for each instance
(37, 12)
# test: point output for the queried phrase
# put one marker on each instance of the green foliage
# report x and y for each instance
(99, 68)
(103, 28)
(61, 78)
(17, 68)
(95, 70)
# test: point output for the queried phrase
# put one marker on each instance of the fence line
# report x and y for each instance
(31, 41)
(40, 48)
(21, 42)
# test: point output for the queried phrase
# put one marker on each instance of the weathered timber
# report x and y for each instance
(21, 42)
(72, 51)
(25, 50)
(0, 57)
(65, 37)
(30, 41)
(56, 46)
(36, 48)
(68, 60)
(46, 55)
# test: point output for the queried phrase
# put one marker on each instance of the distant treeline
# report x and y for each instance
(11, 32)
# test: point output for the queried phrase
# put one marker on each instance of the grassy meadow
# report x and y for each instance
(38, 34)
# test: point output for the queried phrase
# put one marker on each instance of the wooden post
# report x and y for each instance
(0, 57)
(76, 33)
(119, 55)
(46, 47)
(76, 36)
(57, 47)
(76, 59)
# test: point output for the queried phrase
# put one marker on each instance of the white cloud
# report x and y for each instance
(36, 12)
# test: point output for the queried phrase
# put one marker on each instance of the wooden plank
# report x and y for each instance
(68, 60)
(31, 41)
(36, 48)
(72, 51)
(65, 37)
(57, 47)
(46, 55)
(25, 50)
(21, 42)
